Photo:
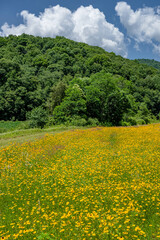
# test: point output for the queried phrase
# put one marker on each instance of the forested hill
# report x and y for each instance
(150, 62)
(71, 80)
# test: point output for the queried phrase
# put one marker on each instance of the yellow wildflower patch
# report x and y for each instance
(99, 183)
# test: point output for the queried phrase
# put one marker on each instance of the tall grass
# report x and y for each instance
(6, 126)
(100, 183)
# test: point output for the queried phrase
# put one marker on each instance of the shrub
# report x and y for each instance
(50, 121)
(141, 121)
(136, 120)
(125, 124)
(24, 125)
(37, 117)
(93, 122)
(78, 121)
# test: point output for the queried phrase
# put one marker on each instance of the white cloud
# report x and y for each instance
(53, 21)
(86, 24)
(143, 25)
(156, 49)
(91, 27)
(158, 10)
(136, 46)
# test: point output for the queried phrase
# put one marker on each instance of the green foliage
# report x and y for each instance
(150, 62)
(77, 121)
(37, 117)
(116, 105)
(8, 126)
(56, 95)
(95, 97)
(93, 122)
(73, 104)
(44, 236)
(69, 79)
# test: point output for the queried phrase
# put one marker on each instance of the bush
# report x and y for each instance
(50, 121)
(78, 121)
(136, 120)
(37, 117)
(141, 121)
(93, 122)
(24, 125)
(125, 124)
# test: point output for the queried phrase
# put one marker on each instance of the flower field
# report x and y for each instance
(99, 183)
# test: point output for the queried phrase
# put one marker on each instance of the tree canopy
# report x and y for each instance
(70, 80)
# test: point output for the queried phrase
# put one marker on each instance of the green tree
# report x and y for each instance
(37, 117)
(116, 105)
(73, 104)
(56, 95)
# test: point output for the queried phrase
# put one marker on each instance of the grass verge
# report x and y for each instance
(20, 136)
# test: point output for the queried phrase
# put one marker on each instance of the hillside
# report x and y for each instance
(72, 81)
(150, 62)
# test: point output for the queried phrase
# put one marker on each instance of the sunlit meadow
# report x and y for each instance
(99, 183)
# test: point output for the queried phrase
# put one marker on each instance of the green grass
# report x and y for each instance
(9, 126)
(24, 135)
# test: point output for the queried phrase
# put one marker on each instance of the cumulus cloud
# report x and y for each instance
(91, 27)
(156, 49)
(86, 24)
(143, 25)
(53, 21)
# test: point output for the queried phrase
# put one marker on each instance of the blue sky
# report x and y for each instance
(129, 28)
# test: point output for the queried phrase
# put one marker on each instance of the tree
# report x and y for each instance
(56, 95)
(73, 104)
(116, 105)
(37, 117)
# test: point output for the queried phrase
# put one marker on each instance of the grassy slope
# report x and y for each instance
(20, 136)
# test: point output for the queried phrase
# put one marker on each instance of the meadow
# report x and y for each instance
(6, 126)
(97, 183)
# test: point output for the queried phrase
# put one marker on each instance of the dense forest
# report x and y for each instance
(150, 62)
(69, 81)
